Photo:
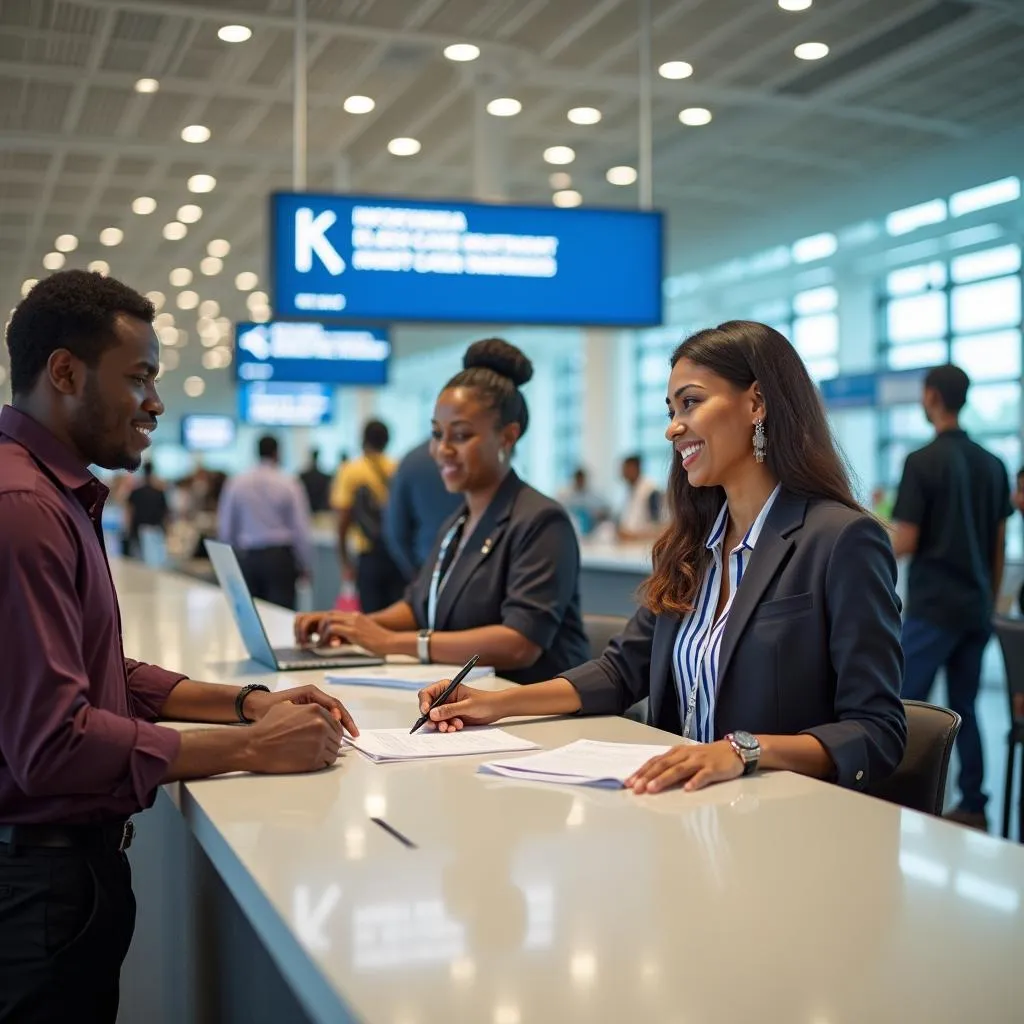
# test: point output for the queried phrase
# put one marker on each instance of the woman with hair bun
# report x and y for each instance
(502, 580)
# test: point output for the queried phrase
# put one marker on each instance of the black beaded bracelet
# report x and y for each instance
(240, 701)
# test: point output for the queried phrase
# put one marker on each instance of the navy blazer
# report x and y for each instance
(521, 569)
(812, 644)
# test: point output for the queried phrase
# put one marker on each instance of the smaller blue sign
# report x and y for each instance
(311, 352)
(277, 404)
(202, 432)
(854, 391)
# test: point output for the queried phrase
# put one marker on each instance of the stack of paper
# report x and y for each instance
(381, 745)
(402, 677)
(583, 763)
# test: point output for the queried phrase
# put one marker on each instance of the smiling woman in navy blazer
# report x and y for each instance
(503, 578)
(770, 627)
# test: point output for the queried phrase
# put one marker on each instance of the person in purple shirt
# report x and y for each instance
(80, 747)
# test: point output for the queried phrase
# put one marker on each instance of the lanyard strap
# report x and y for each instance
(439, 577)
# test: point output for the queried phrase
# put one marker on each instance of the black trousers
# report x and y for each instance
(271, 574)
(66, 922)
(379, 581)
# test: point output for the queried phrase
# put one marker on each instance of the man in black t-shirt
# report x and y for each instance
(950, 516)
(147, 506)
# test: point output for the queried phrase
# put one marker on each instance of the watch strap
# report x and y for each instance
(423, 646)
(240, 701)
(750, 758)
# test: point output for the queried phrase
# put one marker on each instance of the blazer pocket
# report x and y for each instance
(784, 607)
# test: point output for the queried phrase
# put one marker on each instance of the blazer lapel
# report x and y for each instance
(664, 696)
(479, 546)
(770, 551)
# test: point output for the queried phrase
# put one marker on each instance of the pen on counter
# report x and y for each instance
(446, 692)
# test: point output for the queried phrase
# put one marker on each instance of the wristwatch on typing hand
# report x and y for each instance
(748, 750)
(423, 646)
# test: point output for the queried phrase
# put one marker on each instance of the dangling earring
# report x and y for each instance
(502, 455)
(760, 441)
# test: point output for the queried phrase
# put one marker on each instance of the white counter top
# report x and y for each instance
(775, 898)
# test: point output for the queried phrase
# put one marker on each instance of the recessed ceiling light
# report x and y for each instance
(168, 335)
(66, 243)
(246, 281)
(359, 104)
(99, 267)
(260, 316)
(194, 386)
(169, 359)
(234, 33)
(211, 265)
(163, 320)
(28, 284)
(504, 106)
(567, 197)
(623, 175)
(111, 236)
(195, 133)
(188, 299)
(584, 115)
(462, 52)
(559, 155)
(219, 247)
(404, 147)
(560, 179)
(795, 5)
(180, 277)
(189, 213)
(175, 231)
(257, 299)
(54, 260)
(811, 51)
(202, 183)
(144, 205)
(675, 69)
(694, 117)
(209, 307)
(209, 335)
(146, 85)
(157, 298)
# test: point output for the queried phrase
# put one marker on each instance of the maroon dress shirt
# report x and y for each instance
(77, 743)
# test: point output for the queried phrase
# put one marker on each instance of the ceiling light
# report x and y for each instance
(66, 243)
(169, 359)
(359, 104)
(246, 281)
(404, 147)
(560, 179)
(54, 260)
(695, 116)
(99, 267)
(195, 133)
(567, 197)
(163, 320)
(675, 69)
(257, 299)
(210, 336)
(111, 236)
(462, 52)
(211, 265)
(209, 307)
(147, 85)
(559, 155)
(202, 183)
(217, 359)
(168, 335)
(144, 205)
(180, 277)
(260, 316)
(188, 299)
(28, 284)
(621, 175)
(189, 213)
(584, 115)
(175, 231)
(234, 33)
(795, 5)
(194, 386)
(219, 247)
(811, 51)
(157, 298)
(505, 106)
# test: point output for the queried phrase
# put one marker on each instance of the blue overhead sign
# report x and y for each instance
(274, 404)
(865, 390)
(311, 352)
(373, 258)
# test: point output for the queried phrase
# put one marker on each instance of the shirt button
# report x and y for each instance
(859, 776)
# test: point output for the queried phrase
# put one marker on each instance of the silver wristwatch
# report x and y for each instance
(423, 646)
(748, 750)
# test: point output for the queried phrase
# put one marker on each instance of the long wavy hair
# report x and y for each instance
(801, 452)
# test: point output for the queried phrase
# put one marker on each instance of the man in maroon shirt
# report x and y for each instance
(79, 748)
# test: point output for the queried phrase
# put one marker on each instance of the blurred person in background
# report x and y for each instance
(264, 516)
(950, 518)
(418, 504)
(146, 506)
(317, 484)
(360, 494)
(642, 514)
(586, 506)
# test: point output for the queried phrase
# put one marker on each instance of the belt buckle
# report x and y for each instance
(127, 835)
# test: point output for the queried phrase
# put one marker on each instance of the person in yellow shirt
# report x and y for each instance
(359, 493)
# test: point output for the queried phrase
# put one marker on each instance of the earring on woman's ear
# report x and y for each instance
(502, 455)
(760, 440)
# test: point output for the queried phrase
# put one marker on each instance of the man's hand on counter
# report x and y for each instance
(257, 704)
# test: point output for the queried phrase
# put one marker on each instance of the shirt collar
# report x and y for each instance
(717, 535)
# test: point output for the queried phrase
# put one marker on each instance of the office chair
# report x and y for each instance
(600, 629)
(919, 781)
(1010, 633)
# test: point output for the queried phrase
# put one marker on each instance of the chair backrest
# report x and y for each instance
(1011, 639)
(600, 629)
(919, 781)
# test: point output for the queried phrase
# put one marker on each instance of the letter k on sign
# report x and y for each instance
(311, 237)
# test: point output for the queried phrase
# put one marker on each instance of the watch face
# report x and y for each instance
(746, 740)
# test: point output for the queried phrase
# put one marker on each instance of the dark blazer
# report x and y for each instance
(812, 644)
(521, 569)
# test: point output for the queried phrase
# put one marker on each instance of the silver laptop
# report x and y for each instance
(254, 636)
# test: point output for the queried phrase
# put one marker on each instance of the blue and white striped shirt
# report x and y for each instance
(699, 640)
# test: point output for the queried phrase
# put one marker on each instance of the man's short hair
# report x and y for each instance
(376, 436)
(634, 458)
(267, 446)
(72, 309)
(951, 384)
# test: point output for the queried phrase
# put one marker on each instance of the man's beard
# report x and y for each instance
(94, 428)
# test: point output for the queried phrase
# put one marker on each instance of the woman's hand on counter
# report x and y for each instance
(466, 706)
